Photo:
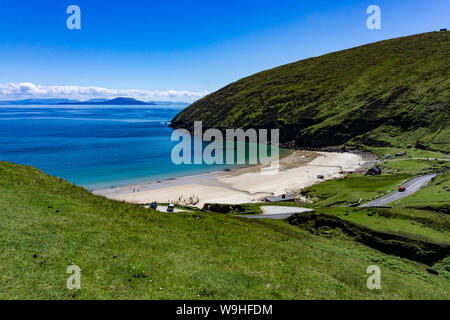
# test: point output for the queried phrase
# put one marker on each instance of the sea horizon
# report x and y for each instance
(95, 147)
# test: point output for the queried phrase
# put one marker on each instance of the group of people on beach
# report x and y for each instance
(191, 201)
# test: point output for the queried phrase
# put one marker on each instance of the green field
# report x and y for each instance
(128, 252)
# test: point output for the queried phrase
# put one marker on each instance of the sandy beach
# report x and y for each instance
(298, 170)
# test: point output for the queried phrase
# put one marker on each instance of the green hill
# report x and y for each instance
(391, 93)
(128, 252)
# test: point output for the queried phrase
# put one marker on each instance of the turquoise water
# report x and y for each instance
(94, 146)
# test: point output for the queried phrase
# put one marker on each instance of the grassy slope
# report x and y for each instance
(421, 215)
(188, 255)
(389, 93)
(413, 224)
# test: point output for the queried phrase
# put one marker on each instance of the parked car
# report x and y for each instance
(402, 189)
(170, 208)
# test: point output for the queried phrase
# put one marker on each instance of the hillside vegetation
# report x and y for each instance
(416, 226)
(128, 252)
(392, 93)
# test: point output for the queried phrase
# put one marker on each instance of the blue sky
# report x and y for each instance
(180, 50)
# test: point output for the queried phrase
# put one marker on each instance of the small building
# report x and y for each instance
(374, 171)
(280, 198)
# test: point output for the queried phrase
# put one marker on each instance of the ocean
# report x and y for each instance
(95, 146)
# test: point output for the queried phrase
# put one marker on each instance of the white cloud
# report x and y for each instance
(27, 90)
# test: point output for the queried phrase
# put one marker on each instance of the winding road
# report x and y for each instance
(411, 186)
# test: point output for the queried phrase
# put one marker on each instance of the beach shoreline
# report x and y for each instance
(250, 184)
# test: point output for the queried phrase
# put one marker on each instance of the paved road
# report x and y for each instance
(277, 212)
(411, 186)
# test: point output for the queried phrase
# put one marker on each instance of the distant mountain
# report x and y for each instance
(384, 94)
(37, 101)
(116, 101)
(95, 101)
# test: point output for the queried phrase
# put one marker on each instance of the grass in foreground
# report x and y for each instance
(128, 252)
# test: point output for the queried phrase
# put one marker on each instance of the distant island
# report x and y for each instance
(36, 101)
(116, 101)
(96, 101)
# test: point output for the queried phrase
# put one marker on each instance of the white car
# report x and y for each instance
(170, 208)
